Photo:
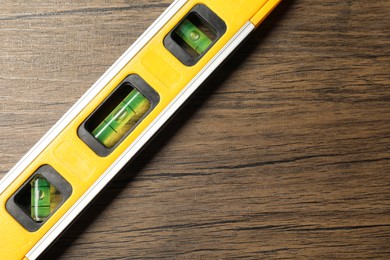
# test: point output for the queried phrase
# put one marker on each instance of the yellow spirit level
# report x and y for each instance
(75, 160)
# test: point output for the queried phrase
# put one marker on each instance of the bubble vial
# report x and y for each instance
(44, 198)
(193, 36)
(124, 117)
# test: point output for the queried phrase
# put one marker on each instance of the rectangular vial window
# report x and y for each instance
(195, 34)
(39, 198)
(118, 115)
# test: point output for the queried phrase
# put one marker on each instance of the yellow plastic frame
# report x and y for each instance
(81, 166)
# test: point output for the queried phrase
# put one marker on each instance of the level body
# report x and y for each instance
(117, 116)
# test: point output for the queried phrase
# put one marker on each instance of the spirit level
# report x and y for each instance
(87, 147)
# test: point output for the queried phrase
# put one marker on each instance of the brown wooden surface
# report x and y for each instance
(285, 153)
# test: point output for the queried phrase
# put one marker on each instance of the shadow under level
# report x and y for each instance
(126, 176)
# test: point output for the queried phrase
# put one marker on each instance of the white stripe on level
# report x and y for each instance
(89, 95)
(146, 135)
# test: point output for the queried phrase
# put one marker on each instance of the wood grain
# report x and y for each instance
(285, 153)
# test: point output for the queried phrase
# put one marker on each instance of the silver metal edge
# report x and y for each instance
(148, 133)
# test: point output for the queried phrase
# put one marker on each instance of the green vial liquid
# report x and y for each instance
(121, 119)
(40, 199)
(193, 36)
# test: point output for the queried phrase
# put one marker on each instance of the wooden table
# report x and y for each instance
(285, 153)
